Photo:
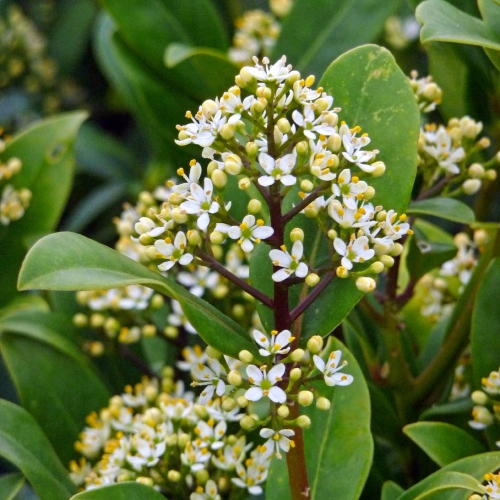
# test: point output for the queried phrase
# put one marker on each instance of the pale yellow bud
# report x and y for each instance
(213, 353)
(244, 183)
(254, 206)
(315, 344)
(264, 92)
(202, 476)
(476, 170)
(179, 215)
(456, 135)
(471, 186)
(306, 185)
(484, 142)
(304, 422)
(209, 108)
(280, 8)
(25, 196)
(311, 211)
(145, 239)
(283, 411)
(297, 356)
(148, 481)
(365, 284)
(245, 356)
(171, 332)
(305, 398)
(149, 330)
(252, 149)
(397, 250)
(239, 311)
(379, 169)
(246, 76)
(234, 378)
(220, 291)
(242, 402)
(302, 148)
(376, 267)
(257, 108)
(223, 484)
(490, 174)
(193, 237)
(217, 237)
(369, 193)
(386, 260)
(174, 475)
(283, 125)
(295, 374)
(296, 234)
(334, 143)
(227, 131)
(332, 234)
(151, 252)
(323, 404)
(432, 92)
(248, 423)
(480, 237)
(217, 251)
(233, 165)
(479, 398)
(228, 404)
(212, 167)
(312, 279)
(97, 320)
(219, 178)
(80, 320)
(342, 272)
(293, 77)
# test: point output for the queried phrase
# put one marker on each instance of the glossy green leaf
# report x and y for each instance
(444, 208)
(59, 407)
(312, 37)
(485, 331)
(449, 481)
(391, 491)
(374, 93)
(475, 466)
(446, 23)
(460, 406)
(10, 484)
(23, 443)
(338, 447)
(68, 261)
(47, 154)
(444, 443)
(122, 491)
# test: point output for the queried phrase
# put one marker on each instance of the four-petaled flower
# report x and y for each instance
(173, 253)
(330, 369)
(247, 232)
(290, 264)
(278, 170)
(211, 377)
(274, 345)
(200, 203)
(277, 440)
(356, 251)
(263, 383)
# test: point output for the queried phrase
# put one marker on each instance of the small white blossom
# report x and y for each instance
(209, 494)
(290, 263)
(278, 170)
(251, 477)
(173, 253)
(440, 147)
(330, 369)
(200, 203)
(277, 440)
(211, 377)
(277, 344)
(264, 383)
(248, 232)
(198, 280)
(356, 251)
(350, 188)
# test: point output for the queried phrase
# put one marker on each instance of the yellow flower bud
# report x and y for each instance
(244, 183)
(342, 272)
(80, 320)
(212, 167)
(490, 174)
(297, 355)
(334, 143)
(202, 476)
(248, 423)
(480, 237)
(254, 206)
(302, 148)
(217, 237)
(171, 332)
(193, 237)
(386, 260)
(306, 185)
(376, 267)
(305, 398)
(471, 186)
(476, 170)
(173, 475)
(149, 330)
(315, 344)
(365, 284)
(296, 234)
(396, 250)
(245, 357)
(179, 215)
(295, 374)
(233, 165)
(304, 422)
(479, 398)
(323, 404)
(97, 320)
(213, 353)
(227, 131)
(219, 178)
(379, 169)
(283, 411)
(252, 149)
(369, 193)
(148, 481)
(228, 404)
(284, 125)
(234, 378)
(242, 402)
(332, 234)
(312, 279)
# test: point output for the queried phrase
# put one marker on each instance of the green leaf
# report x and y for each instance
(24, 444)
(449, 481)
(42, 384)
(68, 261)
(444, 443)
(457, 407)
(375, 94)
(391, 491)
(444, 208)
(337, 445)
(312, 37)
(47, 155)
(443, 22)
(485, 330)
(122, 491)
(10, 484)
(475, 466)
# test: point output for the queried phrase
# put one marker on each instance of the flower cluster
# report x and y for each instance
(491, 490)
(487, 403)
(13, 202)
(427, 93)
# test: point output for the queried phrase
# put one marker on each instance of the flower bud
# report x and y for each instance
(304, 422)
(305, 398)
(264, 92)
(202, 476)
(96, 349)
(342, 272)
(306, 185)
(217, 237)
(312, 279)
(365, 284)
(220, 291)
(315, 344)
(248, 423)
(223, 484)
(283, 125)
(146, 240)
(456, 135)
(228, 404)
(471, 186)
(233, 164)
(292, 77)
(369, 193)
(476, 170)
(144, 225)
(149, 330)
(97, 320)
(295, 374)
(257, 108)
(171, 332)
(252, 149)
(376, 267)
(148, 481)
(302, 148)
(323, 404)
(397, 250)
(484, 142)
(387, 260)
(173, 475)
(283, 411)
(480, 237)
(379, 169)
(245, 357)
(245, 75)
(332, 234)
(242, 402)
(432, 92)
(209, 108)
(479, 398)
(244, 183)
(239, 311)
(234, 378)
(80, 320)
(111, 327)
(151, 252)
(213, 353)
(475, 496)
(297, 356)
(217, 251)
(254, 206)
(219, 178)
(227, 131)
(334, 143)
(124, 476)
(179, 215)
(296, 234)
(311, 211)
(490, 174)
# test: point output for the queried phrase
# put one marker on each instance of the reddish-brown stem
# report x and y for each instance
(303, 204)
(312, 296)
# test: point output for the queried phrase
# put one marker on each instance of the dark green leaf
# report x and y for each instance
(24, 444)
(485, 331)
(444, 443)
(42, 384)
(391, 491)
(339, 448)
(10, 484)
(449, 481)
(312, 37)
(457, 407)
(444, 208)
(123, 491)
(68, 261)
(375, 94)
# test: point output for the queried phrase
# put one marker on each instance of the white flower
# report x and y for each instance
(357, 251)
(264, 383)
(277, 440)
(231, 454)
(247, 232)
(174, 253)
(274, 345)
(211, 377)
(313, 125)
(148, 453)
(209, 494)
(482, 418)
(192, 356)
(198, 280)
(277, 72)
(290, 264)
(350, 188)
(200, 203)
(321, 161)
(278, 170)
(353, 145)
(330, 369)
(195, 457)
(251, 477)
(440, 147)
(211, 435)
(492, 384)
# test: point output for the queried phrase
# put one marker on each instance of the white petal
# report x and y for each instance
(263, 232)
(288, 180)
(283, 259)
(320, 364)
(254, 373)
(281, 275)
(298, 249)
(266, 180)
(276, 372)
(339, 246)
(203, 221)
(277, 395)
(234, 232)
(247, 246)
(302, 270)
(254, 394)
(186, 259)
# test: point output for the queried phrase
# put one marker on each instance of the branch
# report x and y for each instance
(303, 204)
(295, 313)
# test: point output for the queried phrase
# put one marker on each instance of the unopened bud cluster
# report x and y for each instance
(13, 201)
